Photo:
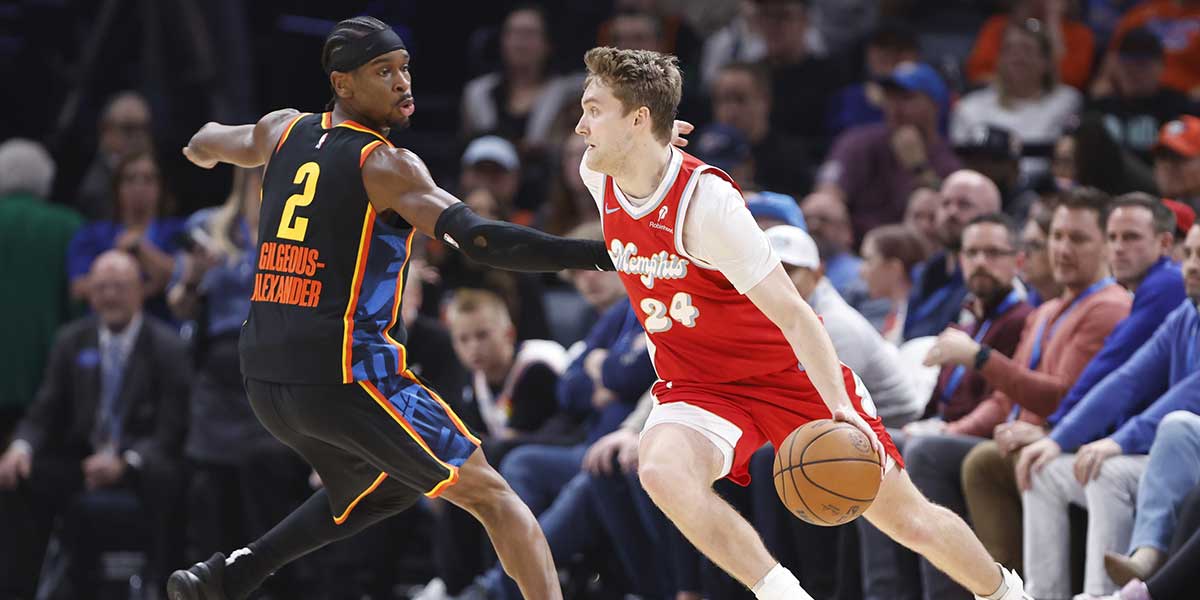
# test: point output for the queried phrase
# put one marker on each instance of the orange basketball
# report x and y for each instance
(826, 472)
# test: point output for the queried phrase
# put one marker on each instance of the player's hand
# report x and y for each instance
(1015, 435)
(15, 465)
(599, 458)
(1033, 458)
(102, 469)
(847, 414)
(681, 129)
(1091, 457)
(197, 159)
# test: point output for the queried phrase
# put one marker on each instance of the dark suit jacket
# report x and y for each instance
(153, 395)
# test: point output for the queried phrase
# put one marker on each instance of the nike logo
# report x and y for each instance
(609, 211)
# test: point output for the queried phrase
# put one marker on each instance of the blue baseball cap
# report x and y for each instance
(780, 207)
(918, 77)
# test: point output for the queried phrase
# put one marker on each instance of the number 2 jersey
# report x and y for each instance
(699, 326)
(325, 307)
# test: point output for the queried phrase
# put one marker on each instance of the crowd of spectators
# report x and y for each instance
(994, 211)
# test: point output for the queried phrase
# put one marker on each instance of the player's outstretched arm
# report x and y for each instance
(397, 179)
(777, 298)
(241, 145)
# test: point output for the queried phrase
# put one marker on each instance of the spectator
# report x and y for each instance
(1177, 577)
(1172, 472)
(1185, 217)
(856, 341)
(770, 209)
(570, 204)
(920, 213)
(1025, 96)
(801, 83)
(829, 223)
(838, 26)
(1037, 273)
(634, 30)
(741, 98)
(213, 289)
(511, 388)
(1100, 162)
(996, 153)
(1161, 377)
(125, 128)
(1071, 41)
(1060, 338)
(140, 228)
(938, 286)
(1137, 104)
(725, 148)
(491, 162)
(739, 41)
(1177, 161)
(890, 253)
(1174, 21)
(108, 418)
(33, 255)
(891, 44)
(521, 100)
(873, 168)
(938, 443)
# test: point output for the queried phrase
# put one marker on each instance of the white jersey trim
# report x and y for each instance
(664, 187)
(684, 200)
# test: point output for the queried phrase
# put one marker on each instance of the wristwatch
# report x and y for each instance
(981, 357)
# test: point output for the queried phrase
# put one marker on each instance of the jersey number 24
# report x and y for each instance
(660, 319)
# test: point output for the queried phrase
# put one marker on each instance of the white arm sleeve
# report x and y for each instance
(719, 230)
(594, 180)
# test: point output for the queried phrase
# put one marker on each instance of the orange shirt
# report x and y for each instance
(1074, 67)
(1178, 26)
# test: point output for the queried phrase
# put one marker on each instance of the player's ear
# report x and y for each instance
(340, 82)
(641, 116)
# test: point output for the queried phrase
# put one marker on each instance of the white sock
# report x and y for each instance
(236, 554)
(1001, 591)
(779, 584)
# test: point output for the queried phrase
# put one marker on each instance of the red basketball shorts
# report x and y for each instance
(740, 416)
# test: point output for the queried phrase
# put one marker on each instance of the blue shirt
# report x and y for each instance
(851, 107)
(1161, 377)
(843, 271)
(627, 371)
(228, 285)
(936, 299)
(1157, 295)
(94, 239)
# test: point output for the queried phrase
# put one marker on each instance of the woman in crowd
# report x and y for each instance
(889, 254)
(570, 204)
(140, 228)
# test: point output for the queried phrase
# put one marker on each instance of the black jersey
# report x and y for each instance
(326, 301)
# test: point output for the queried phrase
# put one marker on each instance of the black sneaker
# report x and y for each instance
(202, 581)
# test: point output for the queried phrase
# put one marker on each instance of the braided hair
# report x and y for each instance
(343, 33)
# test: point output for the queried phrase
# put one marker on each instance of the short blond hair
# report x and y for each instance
(640, 78)
(469, 301)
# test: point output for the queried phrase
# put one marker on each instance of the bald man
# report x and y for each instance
(124, 128)
(110, 417)
(938, 286)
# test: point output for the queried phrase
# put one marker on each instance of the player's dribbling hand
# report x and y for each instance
(681, 129)
(847, 414)
(199, 161)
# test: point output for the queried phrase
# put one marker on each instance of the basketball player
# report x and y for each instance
(726, 329)
(323, 349)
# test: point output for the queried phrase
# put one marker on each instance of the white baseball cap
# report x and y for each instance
(794, 247)
(491, 148)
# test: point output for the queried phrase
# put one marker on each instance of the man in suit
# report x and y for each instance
(109, 417)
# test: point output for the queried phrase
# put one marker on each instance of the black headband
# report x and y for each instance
(359, 52)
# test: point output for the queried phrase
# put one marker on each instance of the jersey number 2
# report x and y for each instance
(660, 319)
(292, 227)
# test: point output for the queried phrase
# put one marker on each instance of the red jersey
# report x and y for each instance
(698, 327)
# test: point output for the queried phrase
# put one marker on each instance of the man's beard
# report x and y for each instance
(992, 293)
(951, 240)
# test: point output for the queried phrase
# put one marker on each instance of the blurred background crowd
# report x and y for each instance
(991, 202)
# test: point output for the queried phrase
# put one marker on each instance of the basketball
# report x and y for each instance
(826, 472)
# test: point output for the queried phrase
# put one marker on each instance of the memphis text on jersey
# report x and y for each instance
(290, 282)
(660, 265)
